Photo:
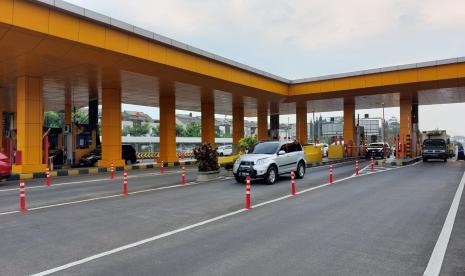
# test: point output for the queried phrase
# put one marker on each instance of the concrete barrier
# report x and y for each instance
(313, 154)
(335, 152)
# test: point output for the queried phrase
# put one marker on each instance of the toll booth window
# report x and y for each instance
(83, 141)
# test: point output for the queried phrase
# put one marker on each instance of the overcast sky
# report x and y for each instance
(305, 38)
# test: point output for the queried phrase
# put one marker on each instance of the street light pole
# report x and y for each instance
(384, 136)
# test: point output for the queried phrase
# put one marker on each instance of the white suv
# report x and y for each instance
(268, 160)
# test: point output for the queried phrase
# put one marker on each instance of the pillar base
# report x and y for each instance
(107, 163)
(29, 168)
(167, 159)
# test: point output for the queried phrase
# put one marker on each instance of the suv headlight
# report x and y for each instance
(261, 162)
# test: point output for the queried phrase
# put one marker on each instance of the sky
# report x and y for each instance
(306, 38)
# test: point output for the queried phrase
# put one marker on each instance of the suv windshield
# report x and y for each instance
(265, 148)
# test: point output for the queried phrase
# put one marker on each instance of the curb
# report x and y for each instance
(95, 170)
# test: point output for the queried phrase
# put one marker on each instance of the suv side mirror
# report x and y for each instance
(281, 152)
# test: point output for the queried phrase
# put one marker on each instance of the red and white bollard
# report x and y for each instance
(47, 176)
(183, 175)
(293, 183)
(162, 167)
(247, 193)
(125, 183)
(331, 173)
(372, 165)
(356, 167)
(112, 171)
(22, 196)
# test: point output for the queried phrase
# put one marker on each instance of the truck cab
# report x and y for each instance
(435, 148)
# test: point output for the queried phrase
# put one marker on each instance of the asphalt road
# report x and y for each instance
(385, 223)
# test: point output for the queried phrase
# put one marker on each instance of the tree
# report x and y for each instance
(180, 131)
(53, 119)
(141, 130)
(192, 130)
(247, 142)
(80, 117)
(156, 131)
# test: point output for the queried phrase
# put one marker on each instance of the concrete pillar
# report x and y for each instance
(301, 122)
(207, 107)
(406, 128)
(29, 124)
(238, 121)
(167, 122)
(262, 120)
(111, 128)
(274, 121)
(349, 125)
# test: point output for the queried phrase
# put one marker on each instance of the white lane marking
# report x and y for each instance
(128, 246)
(99, 198)
(93, 180)
(437, 257)
(170, 233)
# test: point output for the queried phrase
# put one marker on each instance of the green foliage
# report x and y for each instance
(207, 158)
(53, 119)
(141, 130)
(180, 131)
(156, 131)
(192, 130)
(247, 143)
(80, 117)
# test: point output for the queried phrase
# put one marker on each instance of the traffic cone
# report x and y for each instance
(293, 183)
(247, 193)
(125, 183)
(356, 167)
(112, 171)
(162, 168)
(330, 172)
(372, 165)
(47, 176)
(22, 197)
(183, 175)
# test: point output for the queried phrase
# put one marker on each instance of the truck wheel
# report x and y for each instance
(425, 159)
(445, 160)
(271, 175)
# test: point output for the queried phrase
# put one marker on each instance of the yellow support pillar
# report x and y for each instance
(29, 124)
(301, 118)
(207, 107)
(167, 122)
(262, 120)
(406, 124)
(238, 121)
(111, 128)
(349, 125)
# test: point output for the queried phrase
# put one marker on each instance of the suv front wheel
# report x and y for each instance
(300, 170)
(271, 175)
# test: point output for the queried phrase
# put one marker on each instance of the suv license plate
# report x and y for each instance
(244, 173)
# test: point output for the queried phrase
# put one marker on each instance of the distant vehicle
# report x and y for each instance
(224, 150)
(5, 167)
(128, 154)
(268, 160)
(435, 149)
(377, 150)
